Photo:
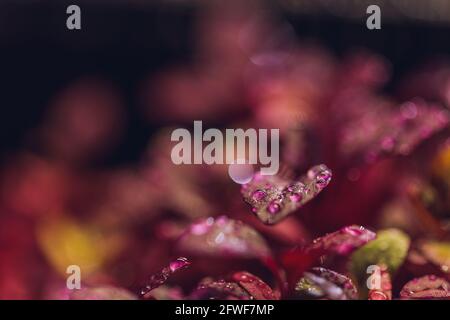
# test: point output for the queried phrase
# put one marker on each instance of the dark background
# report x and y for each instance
(126, 43)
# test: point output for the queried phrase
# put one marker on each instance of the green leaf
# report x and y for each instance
(389, 248)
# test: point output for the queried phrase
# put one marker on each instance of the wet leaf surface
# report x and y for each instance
(272, 198)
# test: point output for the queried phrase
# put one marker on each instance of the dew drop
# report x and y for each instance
(220, 238)
(273, 207)
(241, 173)
(179, 263)
(323, 178)
(259, 195)
(409, 110)
(296, 197)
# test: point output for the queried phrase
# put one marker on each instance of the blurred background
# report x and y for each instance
(86, 116)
